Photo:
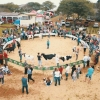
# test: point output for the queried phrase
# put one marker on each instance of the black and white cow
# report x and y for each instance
(10, 49)
(48, 56)
(18, 44)
(65, 58)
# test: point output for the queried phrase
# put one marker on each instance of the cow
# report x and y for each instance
(10, 49)
(65, 58)
(48, 56)
(18, 44)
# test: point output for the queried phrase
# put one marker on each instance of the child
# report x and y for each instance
(47, 81)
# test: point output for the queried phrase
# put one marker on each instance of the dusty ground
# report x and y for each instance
(68, 90)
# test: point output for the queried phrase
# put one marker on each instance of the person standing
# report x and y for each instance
(78, 71)
(24, 84)
(57, 60)
(88, 60)
(77, 53)
(61, 71)
(74, 75)
(5, 57)
(1, 76)
(67, 71)
(73, 69)
(57, 76)
(20, 54)
(78, 40)
(89, 74)
(85, 59)
(39, 60)
(1, 58)
(48, 44)
(84, 48)
(29, 72)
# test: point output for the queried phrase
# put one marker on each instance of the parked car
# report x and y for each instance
(62, 22)
(96, 25)
(68, 24)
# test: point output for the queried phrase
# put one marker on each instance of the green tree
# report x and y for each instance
(98, 10)
(11, 6)
(47, 5)
(30, 6)
(79, 7)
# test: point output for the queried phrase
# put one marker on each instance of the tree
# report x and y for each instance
(79, 7)
(48, 5)
(98, 11)
(9, 7)
(30, 6)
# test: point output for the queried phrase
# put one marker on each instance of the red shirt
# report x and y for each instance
(60, 69)
(1, 56)
(5, 55)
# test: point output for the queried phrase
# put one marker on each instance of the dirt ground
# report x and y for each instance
(68, 90)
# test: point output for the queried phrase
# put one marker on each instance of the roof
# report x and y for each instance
(8, 14)
(33, 12)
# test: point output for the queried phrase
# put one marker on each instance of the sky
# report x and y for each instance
(19, 2)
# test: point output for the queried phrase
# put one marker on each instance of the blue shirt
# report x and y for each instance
(90, 71)
(24, 81)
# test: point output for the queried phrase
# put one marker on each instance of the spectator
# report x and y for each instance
(24, 84)
(47, 81)
(61, 70)
(57, 77)
(74, 75)
(39, 60)
(5, 57)
(54, 75)
(1, 58)
(73, 69)
(1, 76)
(5, 69)
(29, 72)
(84, 48)
(88, 61)
(89, 74)
(78, 71)
(85, 59)
(67, 71)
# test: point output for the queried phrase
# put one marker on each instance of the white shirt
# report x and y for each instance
(57, 73)
(5, 69)
(85, 58)
(68, 69)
